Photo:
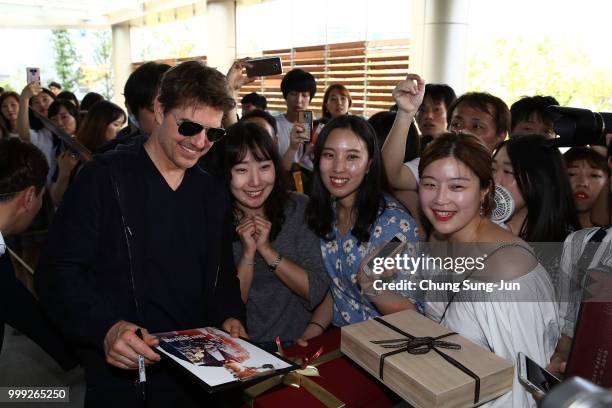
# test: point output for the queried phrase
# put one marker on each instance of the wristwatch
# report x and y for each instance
(275, 263)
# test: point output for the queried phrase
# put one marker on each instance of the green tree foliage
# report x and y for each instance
(99, 76)
(163, 43)
(512, 68)
(66, 60)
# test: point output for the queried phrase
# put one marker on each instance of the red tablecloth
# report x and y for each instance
(348, 382)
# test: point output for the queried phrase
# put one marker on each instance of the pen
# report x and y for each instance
(142, 375)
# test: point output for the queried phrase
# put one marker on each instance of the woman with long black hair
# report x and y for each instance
(544, 210)
(352, 217)
(279, 264)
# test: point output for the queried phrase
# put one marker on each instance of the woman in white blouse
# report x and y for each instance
(456, 191)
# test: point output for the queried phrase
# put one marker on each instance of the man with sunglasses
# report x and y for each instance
(142, 240)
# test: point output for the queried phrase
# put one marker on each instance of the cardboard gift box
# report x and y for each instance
(425, 363)
(349, 384)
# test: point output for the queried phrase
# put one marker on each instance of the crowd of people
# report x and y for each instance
(193, 215)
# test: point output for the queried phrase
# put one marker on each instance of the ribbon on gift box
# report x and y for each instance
(423, 345)
(299, 378)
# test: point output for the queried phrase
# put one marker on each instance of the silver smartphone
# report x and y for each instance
(534, 377)
(305, 118)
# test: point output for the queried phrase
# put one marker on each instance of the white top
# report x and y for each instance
(2, 245)
(283, 134)
(570, 297)
(413, 165)
(43, 139)
(505, 327)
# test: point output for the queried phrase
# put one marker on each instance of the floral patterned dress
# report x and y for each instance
(343, 257)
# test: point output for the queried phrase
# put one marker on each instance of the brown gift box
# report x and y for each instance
(429, 366)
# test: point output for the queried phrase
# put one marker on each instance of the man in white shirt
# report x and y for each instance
(298, 88)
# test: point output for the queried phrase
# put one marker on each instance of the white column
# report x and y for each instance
(221, 34)
(440, 41)
(122, 61)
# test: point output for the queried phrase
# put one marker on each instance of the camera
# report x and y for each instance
(579, 127)
(577, 393)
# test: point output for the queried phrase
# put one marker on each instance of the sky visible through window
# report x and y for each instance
(574, 33)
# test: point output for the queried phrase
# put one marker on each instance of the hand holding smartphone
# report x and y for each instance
(305, 118)
(389, 250)
(534, 377)
(265, 66)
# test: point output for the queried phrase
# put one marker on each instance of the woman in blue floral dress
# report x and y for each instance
(350, 213)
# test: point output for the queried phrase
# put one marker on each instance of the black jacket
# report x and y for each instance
(90, 275)
(21, 310)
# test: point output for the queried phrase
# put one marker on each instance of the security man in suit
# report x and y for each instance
(23, 173)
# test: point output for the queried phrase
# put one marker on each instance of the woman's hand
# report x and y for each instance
(66, 162)
(312, 330)
(408, 94)
(236, 77)
(30, 90)
(262, 228)
(248, 236)
(235, 328)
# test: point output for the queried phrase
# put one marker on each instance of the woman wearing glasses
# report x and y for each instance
(279, 264)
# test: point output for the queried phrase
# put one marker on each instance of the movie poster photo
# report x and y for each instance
(215, 357)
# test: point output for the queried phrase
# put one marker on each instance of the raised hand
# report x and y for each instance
(236, 76)
(31, 89)
(408, 94)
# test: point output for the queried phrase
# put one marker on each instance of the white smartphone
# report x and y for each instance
(534, 377)
(32, 74)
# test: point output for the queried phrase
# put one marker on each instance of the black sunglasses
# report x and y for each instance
(188, 128)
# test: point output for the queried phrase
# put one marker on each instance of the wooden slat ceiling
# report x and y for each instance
(370, 70)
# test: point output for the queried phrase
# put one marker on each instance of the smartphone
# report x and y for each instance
(534, 377)
(32, 74)
(265, 66)
(390, 249)
(305, 118)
